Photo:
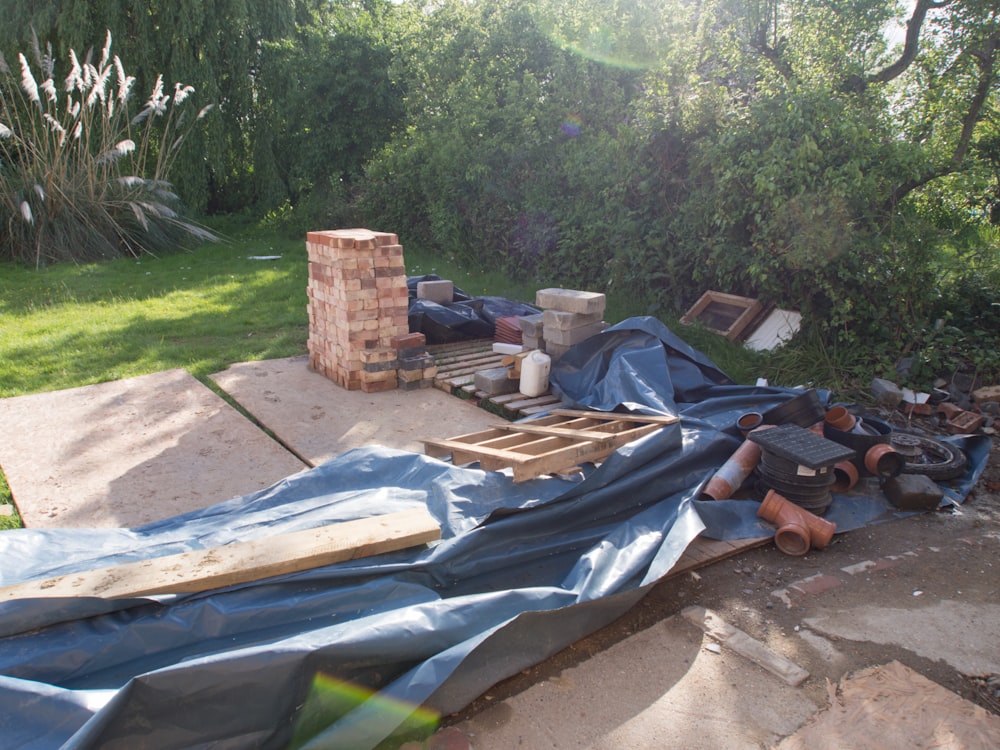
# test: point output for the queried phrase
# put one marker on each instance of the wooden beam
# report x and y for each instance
(613, 416)
(747, 647)
(240, 562)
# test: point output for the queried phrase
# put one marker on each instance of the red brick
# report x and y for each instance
(408, 341)
(816, 584)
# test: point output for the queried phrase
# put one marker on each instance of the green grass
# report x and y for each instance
(66, 325)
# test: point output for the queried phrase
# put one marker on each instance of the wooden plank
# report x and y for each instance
(478, 366)
(610, 415)
(620, 436)
(460, 381)
(529, 411)
(747, 647)
(703, 551)
(482, 360)
(470, 344)
(240, 562)
(525, 401)
(506, 398)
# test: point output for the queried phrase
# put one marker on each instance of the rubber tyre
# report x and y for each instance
(942, 460)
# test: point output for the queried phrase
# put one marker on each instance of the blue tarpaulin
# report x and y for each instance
(340, 656)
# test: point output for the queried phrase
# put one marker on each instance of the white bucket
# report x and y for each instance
(535, 374)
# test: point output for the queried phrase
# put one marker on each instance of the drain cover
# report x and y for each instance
(794, 443)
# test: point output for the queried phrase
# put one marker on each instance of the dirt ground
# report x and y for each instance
(930, 558)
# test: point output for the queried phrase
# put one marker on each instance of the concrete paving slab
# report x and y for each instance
(128, 452)
(318, 419)
(964, 634)
(892, 707)
(661, 687)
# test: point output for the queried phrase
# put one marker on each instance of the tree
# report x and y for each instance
(214, 46)
(804, 189)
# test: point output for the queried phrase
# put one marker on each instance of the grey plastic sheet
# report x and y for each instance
(348, 655)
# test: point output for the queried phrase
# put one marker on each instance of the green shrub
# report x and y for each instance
(81, 178)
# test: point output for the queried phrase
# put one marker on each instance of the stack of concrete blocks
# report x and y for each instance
(358, 301)
(567, 318)
(417, 368)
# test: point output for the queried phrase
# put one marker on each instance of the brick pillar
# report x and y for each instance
(357, 304)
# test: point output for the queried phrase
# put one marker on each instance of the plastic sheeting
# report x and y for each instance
(339, 657)
(464, 318)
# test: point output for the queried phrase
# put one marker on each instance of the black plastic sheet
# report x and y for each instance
(462, 319)
(341, 656)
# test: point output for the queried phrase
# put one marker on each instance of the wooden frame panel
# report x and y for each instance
(725, 314)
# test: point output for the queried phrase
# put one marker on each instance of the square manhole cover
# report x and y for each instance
(794, 443)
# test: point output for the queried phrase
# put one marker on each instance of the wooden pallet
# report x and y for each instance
(514, 405)
(548, 445)
(458, 363)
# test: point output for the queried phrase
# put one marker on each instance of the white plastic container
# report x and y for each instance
(535, 374)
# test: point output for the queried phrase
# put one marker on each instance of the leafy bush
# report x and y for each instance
(81, 178)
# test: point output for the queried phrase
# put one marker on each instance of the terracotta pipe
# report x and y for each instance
(839, 418)
(883, 461)
(845, 476)
(749, 422)
(734, 471)
(798, 529)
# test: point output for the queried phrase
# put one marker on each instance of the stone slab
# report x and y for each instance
(660, 688)
(317, 419)
(128, 452)
(963, 634)
(900, 707)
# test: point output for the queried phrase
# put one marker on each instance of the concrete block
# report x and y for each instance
(531, 325)
(573, 335)
(442, 292)
(418, 362)
(555, 351)
(886, 392)
(495, 381)
(533, 342)
(570, 300)
(913, 492)
(555, 320)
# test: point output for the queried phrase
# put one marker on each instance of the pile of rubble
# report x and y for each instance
(957, 407)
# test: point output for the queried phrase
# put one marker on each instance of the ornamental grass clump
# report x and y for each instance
(82, 177)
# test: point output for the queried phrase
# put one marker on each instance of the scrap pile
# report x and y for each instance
(796, 454)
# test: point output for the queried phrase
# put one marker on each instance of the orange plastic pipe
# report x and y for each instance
(798, 529)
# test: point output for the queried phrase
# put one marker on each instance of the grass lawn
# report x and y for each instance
(202, 310)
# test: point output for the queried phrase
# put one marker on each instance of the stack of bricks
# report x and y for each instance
(416, 367)
(357, 305)
(567, 318)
